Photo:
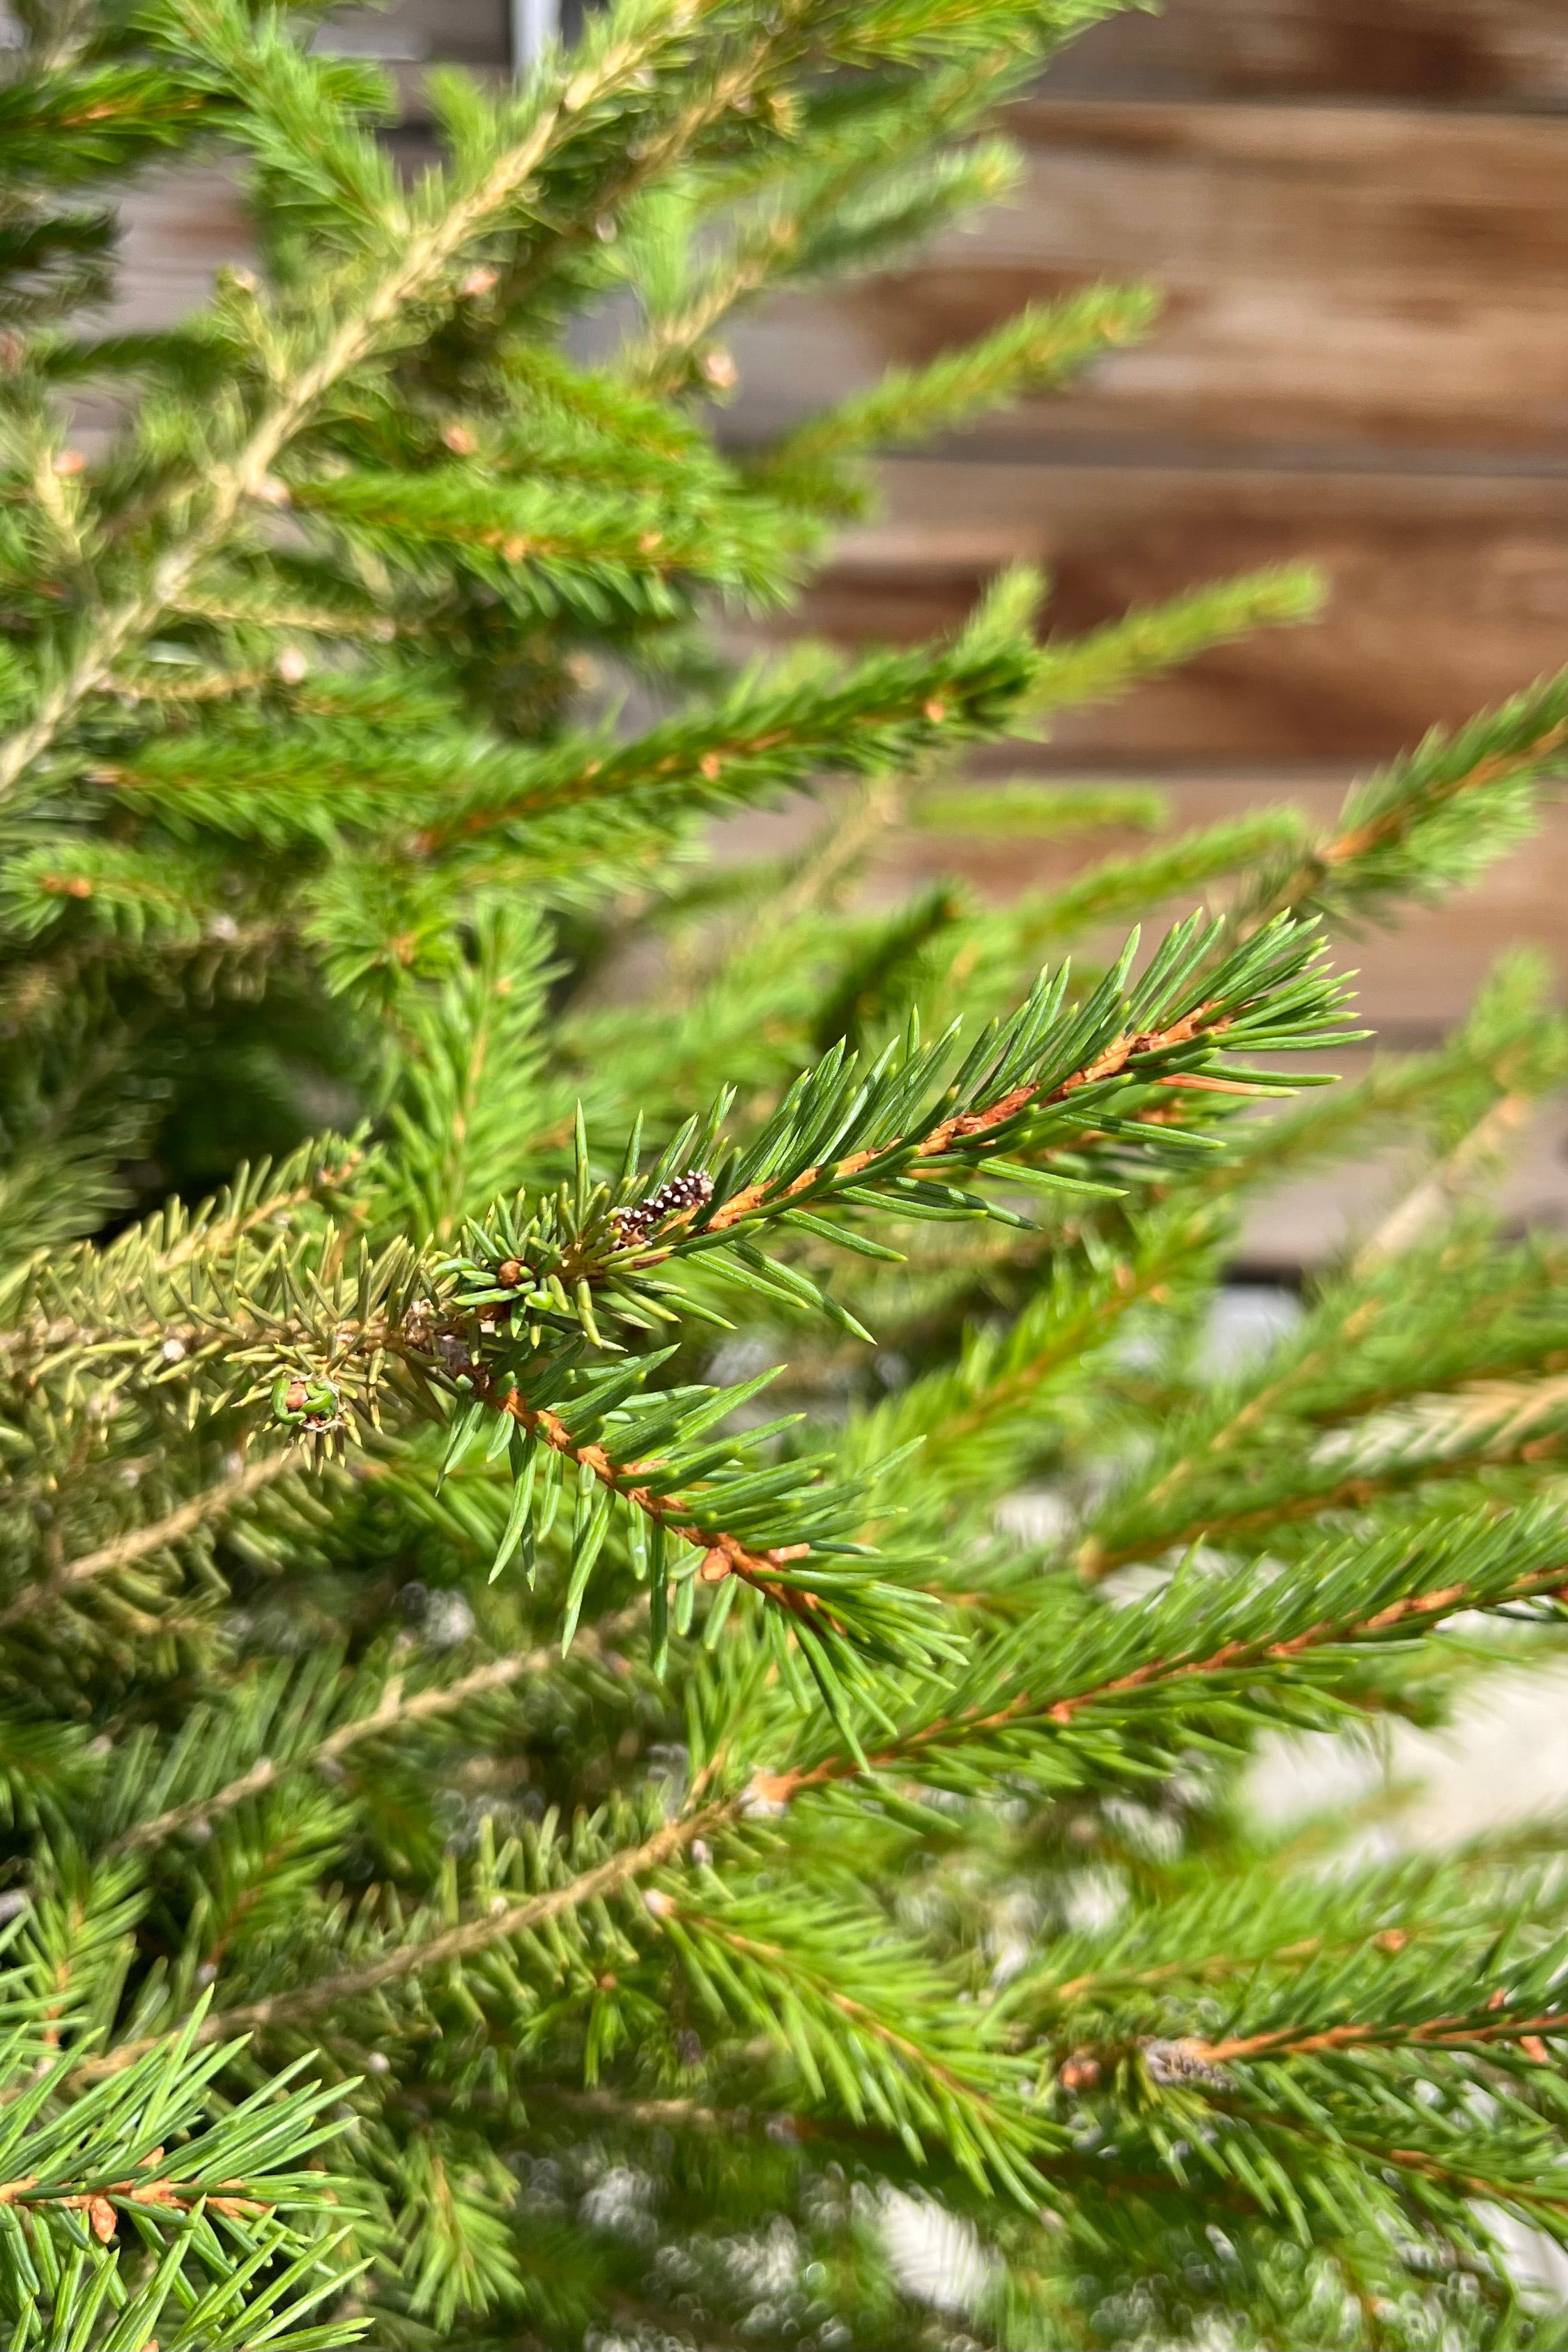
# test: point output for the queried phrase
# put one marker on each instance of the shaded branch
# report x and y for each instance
(534, 1911)
(157, 1535)
(392, 1712)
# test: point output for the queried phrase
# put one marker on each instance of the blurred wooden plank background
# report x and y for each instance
(1357, 214)
(1508, 53)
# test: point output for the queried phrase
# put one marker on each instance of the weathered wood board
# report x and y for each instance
(178, 227)
(1413, 984)
(1447, 592)
(1353, 283)
(1445, 52)
(1495, 53)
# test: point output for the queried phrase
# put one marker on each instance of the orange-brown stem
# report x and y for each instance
(1108, 1063)
(723, 1554)
(780, 1787)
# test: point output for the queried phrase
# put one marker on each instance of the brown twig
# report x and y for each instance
(723, 1555)
(520, 1918)
(1361, 841)
(1434, 2032)
(1357, 1492)
(777, 1789)
(962, 1126)
(101, 2205)
(157, 1535)
(392, 1712)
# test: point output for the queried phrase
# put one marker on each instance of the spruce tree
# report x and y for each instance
(632, 1613)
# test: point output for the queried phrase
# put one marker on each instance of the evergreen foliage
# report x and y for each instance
(554, 1792)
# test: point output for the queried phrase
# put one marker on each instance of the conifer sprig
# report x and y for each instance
(1085, 1088)
(680, 1674)
(1430, 821)
(218, 2197)
(418, 263)
(1196, 1669)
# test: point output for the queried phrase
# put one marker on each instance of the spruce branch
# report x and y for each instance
(494, 806)
(1032, 353)
(734, 86)
(396, 1710)
(848, 2030)
(785, 1532)
(123, 1295)
(1156, 637)
(417, 269)
(500, 1925)
(980, 1418)
(1430, 821)
(1110, 891)
(1261, 1925)
(153, 1535)
(1461, 2176)
(220, 2193)
(878, 715)
(867, 196)
(1039, 1081)
(1484, 2030)
(1422, 1402)
(367, 718)
(1205, 1652)
(1509, 1041)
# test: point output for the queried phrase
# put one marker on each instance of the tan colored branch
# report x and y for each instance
(392, 1712)
(157, 1535)
(1479, 1431)
(1426, 1203)
(521, 1918)
(102, 2205)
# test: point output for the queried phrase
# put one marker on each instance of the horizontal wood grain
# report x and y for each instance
(1495, 53)
(1350, 281)
(1340, 287)
(1447, 591)
(1413, 984)
(176, 227)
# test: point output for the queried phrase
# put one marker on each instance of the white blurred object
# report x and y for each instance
(1244, 1322)
(533, 26)
(1503, 1759)
(1036, 1515)
(934, 2255)
(447, 1620)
